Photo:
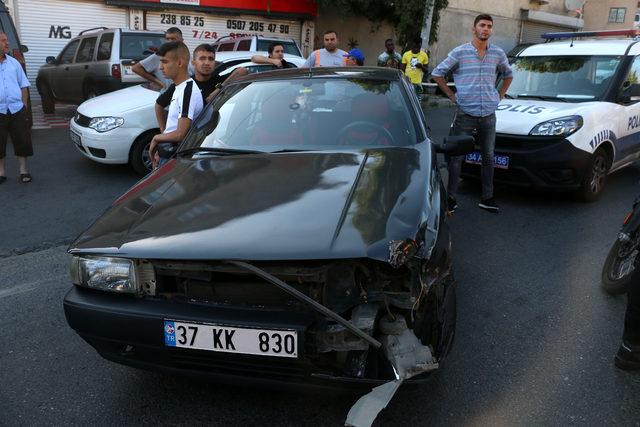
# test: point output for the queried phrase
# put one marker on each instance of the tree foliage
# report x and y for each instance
(407, 16)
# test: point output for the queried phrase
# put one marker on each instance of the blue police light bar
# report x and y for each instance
(576, 34)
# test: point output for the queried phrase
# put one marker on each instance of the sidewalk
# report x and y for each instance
(58, 120)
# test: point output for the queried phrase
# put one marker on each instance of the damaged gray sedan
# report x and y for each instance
(298, 234)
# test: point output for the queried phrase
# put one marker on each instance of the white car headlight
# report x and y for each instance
(113, 274)
(564, 126)
(105, 124)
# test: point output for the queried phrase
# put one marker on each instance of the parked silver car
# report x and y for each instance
(97, 61)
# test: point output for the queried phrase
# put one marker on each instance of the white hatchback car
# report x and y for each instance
(116, 128)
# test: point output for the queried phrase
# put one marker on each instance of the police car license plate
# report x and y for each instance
(75, 138)
(227, 339)
(501, 162)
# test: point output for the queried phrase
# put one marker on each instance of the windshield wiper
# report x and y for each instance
(287, 150)
(541, 97)
(506, 95)
(217, 150)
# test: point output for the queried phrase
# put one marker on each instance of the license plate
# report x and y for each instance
(127, 70)
(501, 162)
(228, 339)
(75, 138)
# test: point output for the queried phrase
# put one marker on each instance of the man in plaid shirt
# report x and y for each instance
(475, 67)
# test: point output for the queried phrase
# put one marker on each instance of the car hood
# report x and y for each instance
(307, 205)
(114, 103)
(520, 116)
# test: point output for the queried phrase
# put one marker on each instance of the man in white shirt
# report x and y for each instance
(186, 102)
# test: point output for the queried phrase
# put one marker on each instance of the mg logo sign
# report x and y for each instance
(59, 32)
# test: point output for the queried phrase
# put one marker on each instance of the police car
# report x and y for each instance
(571, 115)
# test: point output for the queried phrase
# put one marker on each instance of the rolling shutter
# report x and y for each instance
(198, 28)
(47, 26)
(531, 31)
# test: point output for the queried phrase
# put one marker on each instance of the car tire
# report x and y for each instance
(438, 324)
(617, 284)
(46, 96)
(595, 176)
(139, 154)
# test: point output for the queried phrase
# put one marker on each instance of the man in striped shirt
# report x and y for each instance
(475, 67)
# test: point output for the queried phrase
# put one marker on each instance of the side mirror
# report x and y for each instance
(456, 145)
(51, 60)
(24, 49)
(631, 93)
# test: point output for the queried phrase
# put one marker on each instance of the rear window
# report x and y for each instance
(138, 46)
(289, 47)
(104, 48)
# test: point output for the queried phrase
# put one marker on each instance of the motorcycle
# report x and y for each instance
(621, 260)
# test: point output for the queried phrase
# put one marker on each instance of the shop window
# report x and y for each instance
(617, 15)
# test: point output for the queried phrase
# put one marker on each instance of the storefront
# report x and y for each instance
(45, 27)
(535, 23)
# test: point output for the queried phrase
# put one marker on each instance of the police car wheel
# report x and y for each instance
(595, 176)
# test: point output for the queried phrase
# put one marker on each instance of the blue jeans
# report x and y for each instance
(484, 130)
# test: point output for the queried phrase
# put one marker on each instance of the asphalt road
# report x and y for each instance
(534, 344)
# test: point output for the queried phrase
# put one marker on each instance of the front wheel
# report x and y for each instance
(617, 269)
(595, 177)
(139, 158)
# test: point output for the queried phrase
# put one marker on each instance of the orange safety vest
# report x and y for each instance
(317, 52)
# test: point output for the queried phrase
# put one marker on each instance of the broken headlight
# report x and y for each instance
(108, 274)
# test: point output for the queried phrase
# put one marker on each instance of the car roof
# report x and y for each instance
(580, 47)
(371, 73)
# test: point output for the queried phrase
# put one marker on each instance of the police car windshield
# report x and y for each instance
(565, 78)
(308, 114)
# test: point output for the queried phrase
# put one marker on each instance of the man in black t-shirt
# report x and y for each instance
(204, 62)
(276, 57)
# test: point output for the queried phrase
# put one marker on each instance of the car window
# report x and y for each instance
(104, 48)
(69, 52)
(309, 114)
(289, 47)
(226, 47)
(87, 47)
(571, 78)
(138, 45)
(244, 45)
(633, 76)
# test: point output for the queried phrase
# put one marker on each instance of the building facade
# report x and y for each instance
(45, 27)
(515, 21)
(610, 14)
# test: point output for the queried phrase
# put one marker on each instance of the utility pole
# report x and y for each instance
(426, 27)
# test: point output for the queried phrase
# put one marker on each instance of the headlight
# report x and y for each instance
(105, 124)
(113, 274)
(564, 126)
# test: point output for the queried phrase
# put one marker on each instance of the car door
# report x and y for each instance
(628, 126)
(60, 75)
(80, 72)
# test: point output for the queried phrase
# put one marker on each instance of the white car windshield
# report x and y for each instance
(565, 78)
(307, 114)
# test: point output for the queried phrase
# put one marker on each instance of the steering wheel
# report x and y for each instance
(366, 126)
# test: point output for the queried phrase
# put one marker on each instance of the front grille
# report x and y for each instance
(238, 364)
(515, 143)
(82, 120)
